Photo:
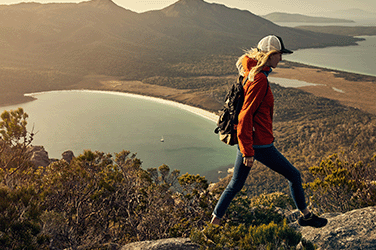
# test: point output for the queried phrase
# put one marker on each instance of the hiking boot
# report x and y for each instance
(312, 220)
(215, 221)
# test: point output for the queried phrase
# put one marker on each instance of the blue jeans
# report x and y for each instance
(271, 158)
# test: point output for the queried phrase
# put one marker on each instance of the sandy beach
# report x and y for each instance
(200, 112)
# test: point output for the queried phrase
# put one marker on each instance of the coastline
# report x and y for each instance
(350, 89)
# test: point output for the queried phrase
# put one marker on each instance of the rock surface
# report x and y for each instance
(355, 229)
(39, 156)
(163, 244)
(68, 156)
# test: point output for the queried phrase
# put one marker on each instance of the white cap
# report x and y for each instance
(272, 42)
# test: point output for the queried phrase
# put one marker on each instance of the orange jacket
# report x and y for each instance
(256, 116)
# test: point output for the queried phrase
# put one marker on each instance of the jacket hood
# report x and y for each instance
(248, 63)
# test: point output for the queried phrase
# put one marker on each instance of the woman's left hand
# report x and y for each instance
(248, 161)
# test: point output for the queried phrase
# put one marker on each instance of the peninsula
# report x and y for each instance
(327, 81)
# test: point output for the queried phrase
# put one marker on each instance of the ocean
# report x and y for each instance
(355, 59)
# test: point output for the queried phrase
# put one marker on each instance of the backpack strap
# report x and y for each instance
(242, 79)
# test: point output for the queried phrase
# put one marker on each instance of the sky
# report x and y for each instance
(258, 7)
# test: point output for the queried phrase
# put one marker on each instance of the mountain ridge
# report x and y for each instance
(72, 40)
(288, 17)
(194, 23)
(353, 13)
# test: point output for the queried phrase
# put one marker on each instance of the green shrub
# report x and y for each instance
(20, 225)
(265, 236)
(257, 210)
(342, 186)
(193, 204)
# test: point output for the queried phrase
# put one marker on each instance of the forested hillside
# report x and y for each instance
(55, 46)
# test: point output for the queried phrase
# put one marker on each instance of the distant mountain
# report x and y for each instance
(70, 40)
(355, 14)
(342, 30)
(286, 17)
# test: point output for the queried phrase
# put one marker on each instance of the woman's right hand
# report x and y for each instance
(248, 161)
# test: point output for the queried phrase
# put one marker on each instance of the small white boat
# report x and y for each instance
(162, 140)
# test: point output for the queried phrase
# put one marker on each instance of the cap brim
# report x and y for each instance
(286, 51)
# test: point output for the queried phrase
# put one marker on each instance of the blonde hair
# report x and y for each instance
(260, 56)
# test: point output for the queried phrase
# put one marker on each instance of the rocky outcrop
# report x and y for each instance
(68, 156)
(39, 156)
(352, 230)
(163, 244)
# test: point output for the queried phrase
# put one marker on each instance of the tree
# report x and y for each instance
(193, 204)
(14, 141)
(20, 225)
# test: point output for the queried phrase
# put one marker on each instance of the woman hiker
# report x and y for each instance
(254, 129)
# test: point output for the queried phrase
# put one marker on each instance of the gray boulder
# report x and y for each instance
(163, 244)
(67, 156)
(353, 230)
(39, 156)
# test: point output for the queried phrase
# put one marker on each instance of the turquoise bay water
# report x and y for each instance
(356, 59)
(109, 122)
